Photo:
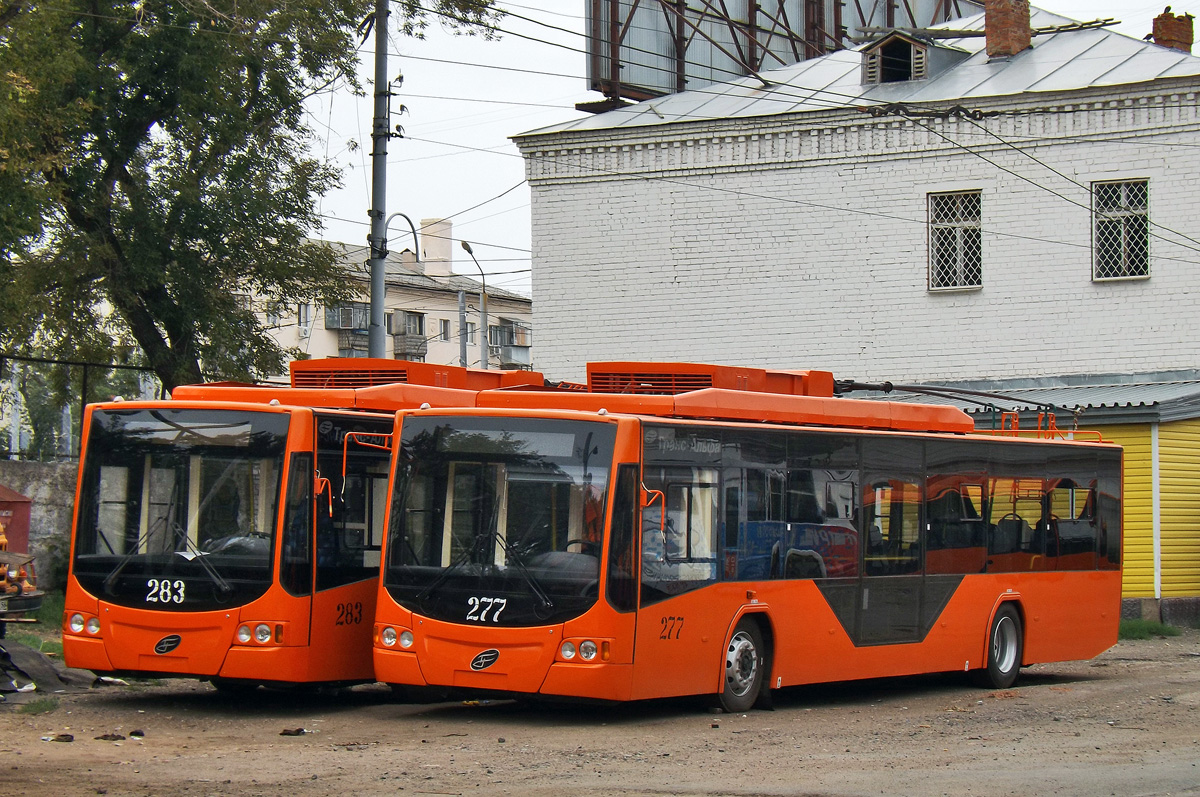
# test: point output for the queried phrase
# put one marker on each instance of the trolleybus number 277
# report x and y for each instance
(672, 627)
(164, 590)
(479, 608)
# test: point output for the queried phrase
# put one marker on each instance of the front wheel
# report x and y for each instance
(1004, 650)
(745, 663)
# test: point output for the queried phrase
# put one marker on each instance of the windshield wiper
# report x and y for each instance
(200, 556)
(443, 576)
(519, 563)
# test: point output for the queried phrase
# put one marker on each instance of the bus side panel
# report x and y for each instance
(342, 623)
(1068, 616)
(680, 642)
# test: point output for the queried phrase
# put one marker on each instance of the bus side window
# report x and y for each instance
(295, 568)
(891, 515)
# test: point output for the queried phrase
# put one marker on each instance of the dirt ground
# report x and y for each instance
(1126, 723)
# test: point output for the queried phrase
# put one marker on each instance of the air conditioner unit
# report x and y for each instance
(305, 331)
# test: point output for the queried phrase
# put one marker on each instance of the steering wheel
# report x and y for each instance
(585, 547)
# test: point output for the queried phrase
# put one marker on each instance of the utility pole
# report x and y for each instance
(376, 332)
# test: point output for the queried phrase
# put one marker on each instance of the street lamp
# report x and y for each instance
(483, 327)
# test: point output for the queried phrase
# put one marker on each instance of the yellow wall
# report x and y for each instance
(1179, 490)
(1179, 508)
(1137, 501)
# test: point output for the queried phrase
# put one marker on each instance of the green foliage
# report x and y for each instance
(154, 164)
(43, 705)
(1145, 629)
(51, 647)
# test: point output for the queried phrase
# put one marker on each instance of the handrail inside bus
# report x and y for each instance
(322, 485)
(362, 442)
(648, 499)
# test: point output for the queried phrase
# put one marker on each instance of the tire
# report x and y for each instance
(1004, 649)
(744, 668)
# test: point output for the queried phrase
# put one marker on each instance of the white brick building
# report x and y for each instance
(785, 226)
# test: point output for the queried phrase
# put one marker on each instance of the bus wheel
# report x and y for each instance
(1004, 650)
(744, 665)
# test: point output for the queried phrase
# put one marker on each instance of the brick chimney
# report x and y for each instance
(1173, 31)
(1006, 23)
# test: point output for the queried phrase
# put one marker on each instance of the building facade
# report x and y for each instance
(431, 313)
(972, 222)
(1010, 200)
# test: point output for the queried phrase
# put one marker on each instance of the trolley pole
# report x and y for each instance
(376, 342)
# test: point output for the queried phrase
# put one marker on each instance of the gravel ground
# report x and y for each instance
(1125, 723)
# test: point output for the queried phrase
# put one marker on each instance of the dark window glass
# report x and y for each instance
(622, 580)
(350, 511)
(680, 554)
(892, 517)
(499, 521)
(295, 565)
(179, 506)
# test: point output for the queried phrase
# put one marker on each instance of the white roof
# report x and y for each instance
(1075, 59)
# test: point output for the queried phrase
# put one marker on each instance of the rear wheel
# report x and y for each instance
(745, 662)
(1004, 650)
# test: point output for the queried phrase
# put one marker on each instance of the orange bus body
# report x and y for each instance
(313, 632)
(915, 574)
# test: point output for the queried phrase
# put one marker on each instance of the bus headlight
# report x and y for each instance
(243, 634)
(262, 633)
(406, 639)
(388, 636)
(76, 623)
(567, 651)
(93, 625)
(587, 650)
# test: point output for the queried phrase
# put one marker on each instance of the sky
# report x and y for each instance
(463, 98)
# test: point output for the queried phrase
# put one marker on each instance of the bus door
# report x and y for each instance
(678, 622)
(352, 473)
(890, 596)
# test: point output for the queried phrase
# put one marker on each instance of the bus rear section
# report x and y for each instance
(733, 558)
(221, 541)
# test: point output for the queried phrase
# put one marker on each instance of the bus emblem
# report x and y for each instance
(167, 644)
(485, 659)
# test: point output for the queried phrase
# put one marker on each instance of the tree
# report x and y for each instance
(155, 167)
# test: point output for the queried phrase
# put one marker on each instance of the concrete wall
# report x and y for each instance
(800, 240)
(51, 486)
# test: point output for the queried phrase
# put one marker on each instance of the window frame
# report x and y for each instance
(1122, 214)
(960, 225)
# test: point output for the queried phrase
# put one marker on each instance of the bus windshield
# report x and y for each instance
(178, 506)
(498, 521)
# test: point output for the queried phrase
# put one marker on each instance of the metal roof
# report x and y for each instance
(1061, 61)
(1103, 403)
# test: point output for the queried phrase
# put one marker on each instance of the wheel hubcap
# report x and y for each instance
(741, 664)
(1004, 644)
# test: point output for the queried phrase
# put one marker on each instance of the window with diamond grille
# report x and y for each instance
(1121, 229)
(955, 241)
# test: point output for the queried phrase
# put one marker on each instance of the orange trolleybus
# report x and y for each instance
(232, 533)
(682, 529)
